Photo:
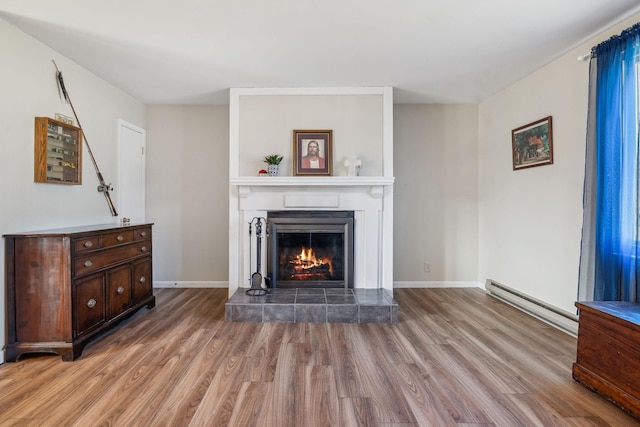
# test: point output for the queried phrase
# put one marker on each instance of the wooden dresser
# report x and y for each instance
(64, 286)
(607, 359)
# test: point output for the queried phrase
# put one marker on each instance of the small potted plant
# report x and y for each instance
(273, 164)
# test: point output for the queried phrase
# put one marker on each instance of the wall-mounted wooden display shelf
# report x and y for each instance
(58, 152)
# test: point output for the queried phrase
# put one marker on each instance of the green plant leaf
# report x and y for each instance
(273, 159)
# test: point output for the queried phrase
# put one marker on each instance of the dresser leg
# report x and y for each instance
(70, 355)
(11, 354)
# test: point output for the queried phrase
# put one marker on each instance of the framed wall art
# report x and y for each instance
(312, 152)
(532, 144)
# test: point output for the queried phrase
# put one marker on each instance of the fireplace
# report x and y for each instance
(369, 198)
(310, 249)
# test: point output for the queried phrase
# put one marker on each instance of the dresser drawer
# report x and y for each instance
(95, 261)
(106, 240)
(119, 238)
(142, 234)
(86, 244)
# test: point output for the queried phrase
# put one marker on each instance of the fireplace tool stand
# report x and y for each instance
(258, 286)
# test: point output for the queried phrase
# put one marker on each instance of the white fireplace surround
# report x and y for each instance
(369, 197)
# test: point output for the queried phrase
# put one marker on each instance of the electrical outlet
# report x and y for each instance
(427, 267)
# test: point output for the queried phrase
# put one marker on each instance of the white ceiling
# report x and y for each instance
(430, 51)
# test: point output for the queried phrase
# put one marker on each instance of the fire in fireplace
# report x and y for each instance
(310, 249)
(306, 266)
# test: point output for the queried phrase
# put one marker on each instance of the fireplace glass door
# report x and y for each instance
(310, 249)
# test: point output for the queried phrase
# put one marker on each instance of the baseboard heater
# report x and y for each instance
(560, 319)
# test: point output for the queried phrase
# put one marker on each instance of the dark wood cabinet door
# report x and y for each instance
(118, 290)
(142, 281)
(89, 303)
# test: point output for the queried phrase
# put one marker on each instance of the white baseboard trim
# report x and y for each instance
(403, 284)
(450, 284)
(198, 284)
(565, 321)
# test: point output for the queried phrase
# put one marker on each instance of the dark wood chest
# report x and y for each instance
(64, 286)
(607, 358)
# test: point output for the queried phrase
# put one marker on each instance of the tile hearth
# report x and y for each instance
(313, 305)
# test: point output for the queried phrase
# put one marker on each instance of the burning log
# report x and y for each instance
(306, 261)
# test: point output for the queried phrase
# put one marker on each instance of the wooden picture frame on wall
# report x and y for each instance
(312, 153)
(532, 144)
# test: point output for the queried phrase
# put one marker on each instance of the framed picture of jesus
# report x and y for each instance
(312, 152)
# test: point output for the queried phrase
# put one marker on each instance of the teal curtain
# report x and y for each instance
(609, 259)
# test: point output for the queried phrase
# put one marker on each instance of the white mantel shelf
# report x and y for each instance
(311, 181)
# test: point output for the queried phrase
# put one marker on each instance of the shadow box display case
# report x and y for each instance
(58, 152)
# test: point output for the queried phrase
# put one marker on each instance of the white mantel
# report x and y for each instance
(374, 183)
(369, 197)
(311, 181)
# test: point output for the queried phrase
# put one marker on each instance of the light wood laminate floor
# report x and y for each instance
(457, 357)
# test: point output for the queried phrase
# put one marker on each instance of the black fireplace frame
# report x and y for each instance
(310, 221)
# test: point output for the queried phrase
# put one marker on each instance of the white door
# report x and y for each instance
(131, 170)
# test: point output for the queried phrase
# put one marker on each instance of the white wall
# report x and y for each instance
(436, 194)
(187, 193)
(29, 90)
(268, 123)
(530, 219)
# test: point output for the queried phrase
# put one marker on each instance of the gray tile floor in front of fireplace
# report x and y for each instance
(313, 305)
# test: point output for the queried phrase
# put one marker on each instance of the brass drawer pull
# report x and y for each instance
(91, 303)
(143, 279)
(87, 263)
(120, 238)
(120, 290)
(143, 249)
(88, 244)
(143, 233)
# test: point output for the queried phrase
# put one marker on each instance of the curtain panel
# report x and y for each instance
(609, 252)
